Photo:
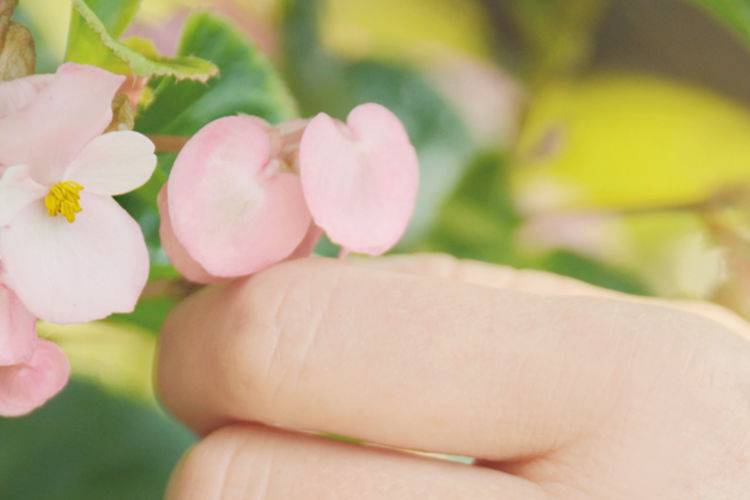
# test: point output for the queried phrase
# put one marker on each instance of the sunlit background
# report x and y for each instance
(607, 140)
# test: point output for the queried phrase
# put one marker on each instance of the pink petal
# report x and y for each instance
(75, 272)
(28, 386)
(17, 190)
(307, 246)
(17, 94)
(177, 254)
(360, 180)
(17, 329)
(65, 115)
(114, 163)
(230, 208)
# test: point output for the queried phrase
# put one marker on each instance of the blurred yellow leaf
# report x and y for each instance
(117, 356)
(401, 28)
(50, 20)
(629, 141)
(673, 253)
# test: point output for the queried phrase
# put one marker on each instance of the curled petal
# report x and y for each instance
(27, 386)
(360, 180)
(177, 254)
(229, 206)
(114, 163)
(17, 190)
(60, 120)
(17, 329)
(75, 272)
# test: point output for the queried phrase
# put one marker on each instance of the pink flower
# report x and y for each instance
(31, 370)
(232, 206)
(241, 192)
(68, 250)
(360, 179)
(27, 386)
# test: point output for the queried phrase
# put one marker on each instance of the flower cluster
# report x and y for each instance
(244, 195)
(68, 252)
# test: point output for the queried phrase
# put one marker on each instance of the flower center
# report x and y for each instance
(64, 198)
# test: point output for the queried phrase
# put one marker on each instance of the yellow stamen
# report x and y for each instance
(64, 198)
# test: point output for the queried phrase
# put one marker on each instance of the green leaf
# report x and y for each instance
(248, 83)
(478, 220)
(325, 82)
(734, 13)
(94, 28)
(87, 444)
(116, 16)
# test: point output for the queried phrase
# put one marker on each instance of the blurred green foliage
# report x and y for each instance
(88, 444)
(247, 83)
(735, 13)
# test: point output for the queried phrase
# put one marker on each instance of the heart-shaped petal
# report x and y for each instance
(360, 179)
(231, 207)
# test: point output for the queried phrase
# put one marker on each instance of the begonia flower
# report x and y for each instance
(233, 206)
(68, 250)
(360, 179)
(31, 370)
(28, 385)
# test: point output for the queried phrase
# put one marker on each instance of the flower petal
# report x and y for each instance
(114, 163)
(75, 272)
(17, 329)
(17, 190)
(360, 181)
(66, 114)
(28, 386)
(230, 209)
(17, 94)
(308, 244)
(177, 254)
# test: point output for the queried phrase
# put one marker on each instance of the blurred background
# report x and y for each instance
(608, 140)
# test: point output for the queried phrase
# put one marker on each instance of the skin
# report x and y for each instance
(559, 389)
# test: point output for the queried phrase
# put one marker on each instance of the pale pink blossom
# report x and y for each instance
(31, 370)
(68, 250)
(360, 179)
(232, 206)
(28, 385)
